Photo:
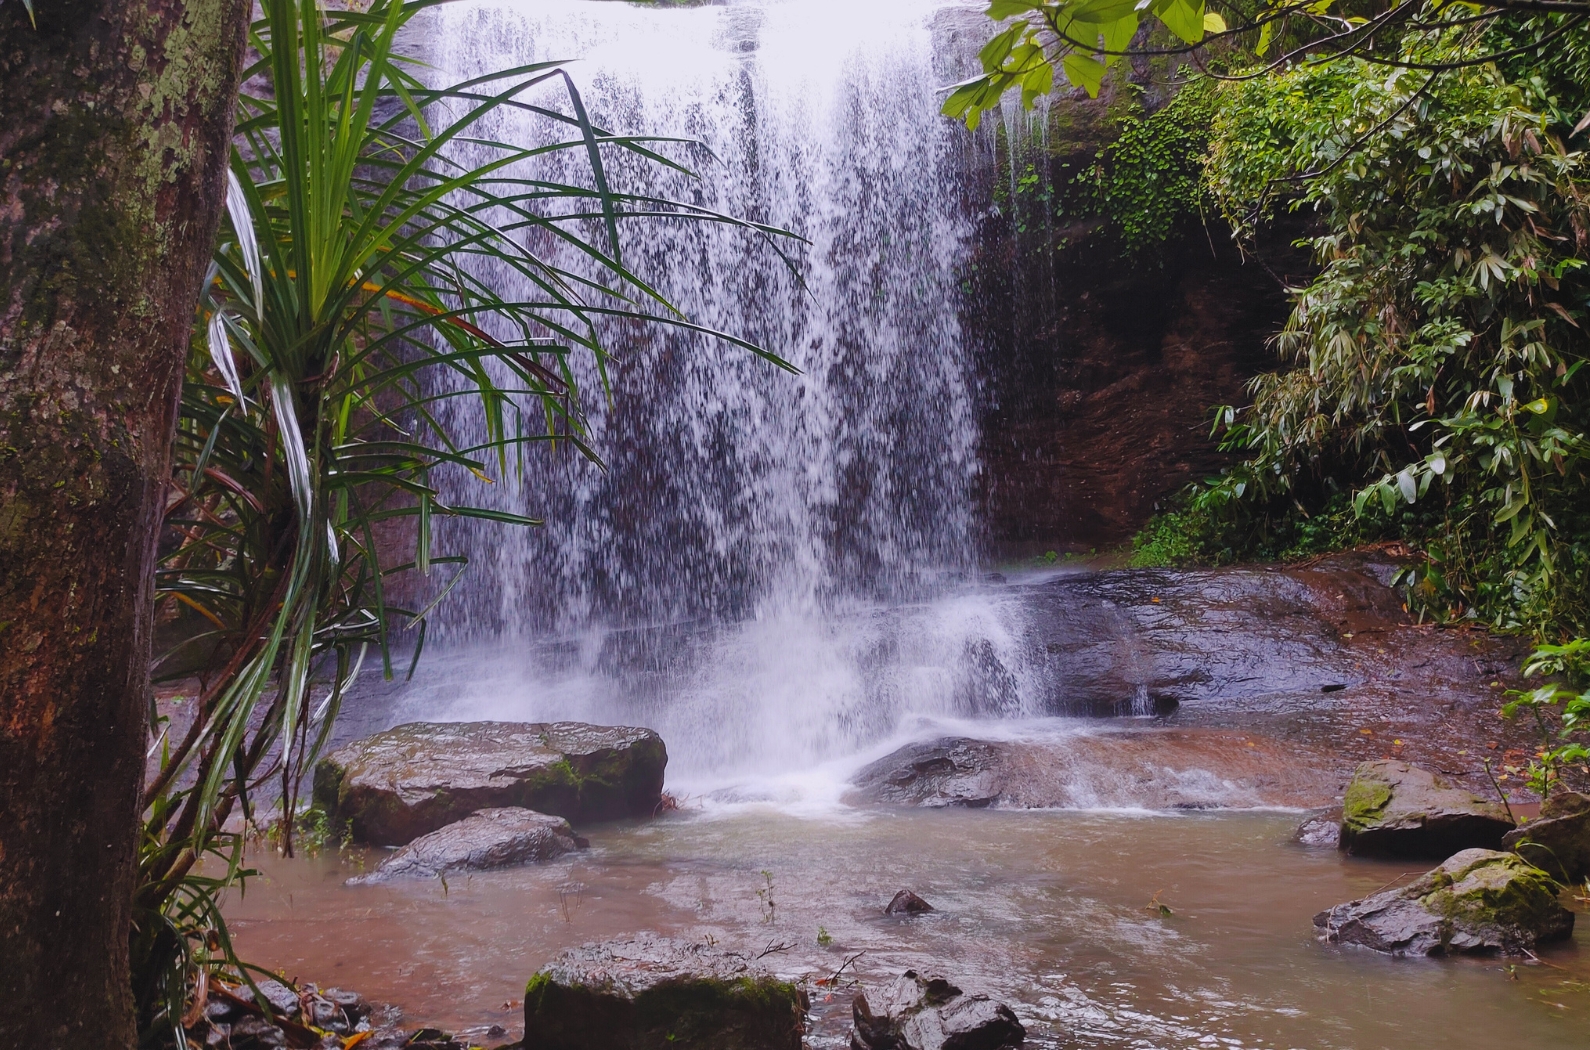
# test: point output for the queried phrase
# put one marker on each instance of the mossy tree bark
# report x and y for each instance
(115, 119)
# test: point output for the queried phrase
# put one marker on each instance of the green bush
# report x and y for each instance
(1432, 367)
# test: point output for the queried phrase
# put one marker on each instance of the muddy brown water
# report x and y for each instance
(1052, 911)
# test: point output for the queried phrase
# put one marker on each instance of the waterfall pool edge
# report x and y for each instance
(1053, 911)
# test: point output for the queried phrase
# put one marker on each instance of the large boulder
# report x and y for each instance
(653, 993)
(1477, 901)
(927, 1012)
(405, 782)
(1559, 841)
(486, 839)
(1392, 809)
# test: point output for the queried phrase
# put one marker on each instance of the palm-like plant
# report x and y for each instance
(345, 302)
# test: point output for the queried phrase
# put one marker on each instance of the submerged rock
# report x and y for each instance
(907, 903)
(1477, 901)
(486, 839)
(654, 993)
(405, 782)
(1559, 842)
(920, 1012)
(1393, 809)
(1324, 832)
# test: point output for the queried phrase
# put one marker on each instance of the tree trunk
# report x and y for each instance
(115, 120)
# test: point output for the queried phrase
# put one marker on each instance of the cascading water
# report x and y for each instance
(772, 569)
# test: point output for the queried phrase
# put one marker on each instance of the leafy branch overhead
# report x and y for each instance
(1084, 38)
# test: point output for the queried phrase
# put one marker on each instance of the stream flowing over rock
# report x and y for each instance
(927, 1012)
(1477, 901)
(405, 782)
(1146, 768)
(1559, 842)
(486, 839)
(656, 993)
(1393, 809)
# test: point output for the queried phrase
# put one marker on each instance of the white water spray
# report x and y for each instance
(772, 570)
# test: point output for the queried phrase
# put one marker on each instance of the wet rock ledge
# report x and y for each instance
(409, 781)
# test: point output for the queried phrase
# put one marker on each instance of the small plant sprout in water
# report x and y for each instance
(824, 938)
(765, 897)
(570, 896)
(1158, 907)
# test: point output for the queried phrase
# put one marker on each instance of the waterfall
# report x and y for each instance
(773, 567)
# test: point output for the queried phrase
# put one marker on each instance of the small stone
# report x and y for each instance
(353, 1004)
(907, 903)
(1319, 833)
(1393, 809)
(1478, 901)
(282, 999)
(256, 1033)
(323, 1013)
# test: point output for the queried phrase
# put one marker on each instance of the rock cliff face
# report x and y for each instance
(1101, 371)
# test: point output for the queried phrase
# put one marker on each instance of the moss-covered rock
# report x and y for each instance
(405, 782)
(1559, 842)
(1477, 901)
(1393, 809)
(653, 993)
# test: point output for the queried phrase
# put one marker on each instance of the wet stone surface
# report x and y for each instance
(1394, 809)
(1142, 767)
(1476, 902)
(656, 993)
(1559, 842)
(408, 781)
(928, 1012)
(486, 839)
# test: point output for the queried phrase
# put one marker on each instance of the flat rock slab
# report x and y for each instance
(927, 1012)
(1148, 769)
(406, 782)
(486, 839)
(1393, 809)
(654, 993)
(1559, 842)
(1478, 901)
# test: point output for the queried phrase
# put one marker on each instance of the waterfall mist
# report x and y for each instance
(772, 569)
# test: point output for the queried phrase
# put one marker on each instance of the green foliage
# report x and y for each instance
(1192, 534)
(1434, 360)
(1567, 699)
(1152, 179)
(1084, 37)
(343, 305)
(1172, 538)
(1147, 184)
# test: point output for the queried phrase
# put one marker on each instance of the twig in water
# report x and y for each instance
(1393, 882)
(1499, 791)
(835, 978)
(774, 949)
(1543, 962)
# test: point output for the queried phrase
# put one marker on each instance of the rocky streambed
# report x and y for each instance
(1103, 878)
